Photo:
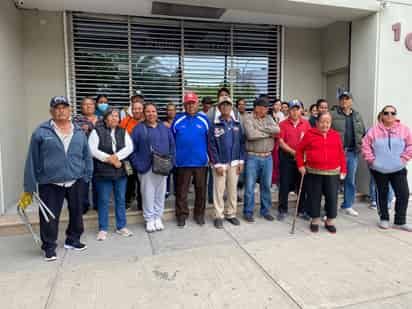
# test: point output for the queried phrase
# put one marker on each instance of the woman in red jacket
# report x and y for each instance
(325, 163)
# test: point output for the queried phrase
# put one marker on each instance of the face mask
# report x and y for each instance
(102, 107)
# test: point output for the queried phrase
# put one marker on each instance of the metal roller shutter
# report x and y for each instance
(163, 58)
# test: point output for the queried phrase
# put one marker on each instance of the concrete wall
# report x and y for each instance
(43, 59)
(363, 79)
(395, 63)
(335, 47)
(302, 72)
(12, 115)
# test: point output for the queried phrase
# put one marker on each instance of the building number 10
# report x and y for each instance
(396, 28)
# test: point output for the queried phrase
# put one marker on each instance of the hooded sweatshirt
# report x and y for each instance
(387, 150)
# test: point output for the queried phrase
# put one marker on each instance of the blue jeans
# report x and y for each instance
(349, 189)
(258, 167)
(104, 188)
(372, 191)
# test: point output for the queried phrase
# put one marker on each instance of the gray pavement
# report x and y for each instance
(258, 265)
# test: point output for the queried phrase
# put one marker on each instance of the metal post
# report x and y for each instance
(182, 57)
(231, 68)
(129, 44)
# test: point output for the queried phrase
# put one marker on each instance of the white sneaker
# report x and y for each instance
(150, 227)
(404, 227)
(351, 212)
(158, 224)
(372, 205)
(384, 224)
(101, 236)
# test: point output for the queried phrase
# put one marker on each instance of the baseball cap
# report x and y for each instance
(295, 103)
(190, 97)
(345, 94)
(261, 101)
(225, 99)
(59, 100)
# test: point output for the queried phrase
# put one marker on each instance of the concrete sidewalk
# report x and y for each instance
(258, 265)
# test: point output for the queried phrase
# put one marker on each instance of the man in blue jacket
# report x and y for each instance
(57, 161)
(226, 150)
(190, 130)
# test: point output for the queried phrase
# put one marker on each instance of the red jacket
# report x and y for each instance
(323, 153)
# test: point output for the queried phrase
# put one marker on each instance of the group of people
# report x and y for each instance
(133, 155)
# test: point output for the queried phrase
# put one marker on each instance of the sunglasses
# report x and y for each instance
(389, 113)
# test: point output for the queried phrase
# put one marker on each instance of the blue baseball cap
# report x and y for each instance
(59, 100)
(295, 103)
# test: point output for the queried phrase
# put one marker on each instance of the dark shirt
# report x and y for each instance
(349, 137)
(228, 137)
(312, 121)
(82, 121)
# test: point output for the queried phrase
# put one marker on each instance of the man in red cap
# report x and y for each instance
(190, 130)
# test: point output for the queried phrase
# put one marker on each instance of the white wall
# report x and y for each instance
(12, 114)
(395, 63)
(302, 72)
(43, 59)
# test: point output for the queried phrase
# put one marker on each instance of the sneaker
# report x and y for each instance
(200, 220)
(50, 256)
(181, 221)
(124, 232)
(304, 216)
(351, 212)
(268, 217)
(330, 228)
(77, 246)
(218, 223)
(314, 228)
(101, 236)
(159, 225)
(372, 206)
(234, 221)
(150, 227)
(404, 227)
(384, 224)
(281, 216)
(249, 218)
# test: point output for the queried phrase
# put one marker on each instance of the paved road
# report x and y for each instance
(256, 265)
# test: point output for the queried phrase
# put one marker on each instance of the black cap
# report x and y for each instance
(261, 101)
(345, 95)
(59, 100)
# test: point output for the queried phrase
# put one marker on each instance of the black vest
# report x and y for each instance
(106, 170)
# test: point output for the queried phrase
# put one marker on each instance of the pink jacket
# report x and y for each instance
(387, 150)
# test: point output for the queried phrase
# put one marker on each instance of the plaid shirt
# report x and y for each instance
(84, 123)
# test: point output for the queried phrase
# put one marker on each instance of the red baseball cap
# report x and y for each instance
(190, 97)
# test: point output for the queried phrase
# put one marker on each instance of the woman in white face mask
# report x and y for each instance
(102, 103)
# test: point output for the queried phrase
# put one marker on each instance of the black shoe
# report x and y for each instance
(249, 218)
(239, 199)
(282, 216)
(269, 217)
(181, 221)
(218, 223)
(314, 228)
(200, 220)
(330, 228)
(128, 205)
(78, 246)
(234, 221)
(50, 255)
(210, 201)
(85, 210)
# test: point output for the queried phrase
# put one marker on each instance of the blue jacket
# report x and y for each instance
(160, 138)
(47, 162)
(226, 142)
(190, 134)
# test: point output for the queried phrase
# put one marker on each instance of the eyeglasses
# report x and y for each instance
(389, 113)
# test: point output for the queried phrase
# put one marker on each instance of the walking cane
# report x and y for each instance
(292, 231)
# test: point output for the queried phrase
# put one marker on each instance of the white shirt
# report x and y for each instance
(65, 139)
(102, 156)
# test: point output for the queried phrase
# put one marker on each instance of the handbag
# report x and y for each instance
(161, 164)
